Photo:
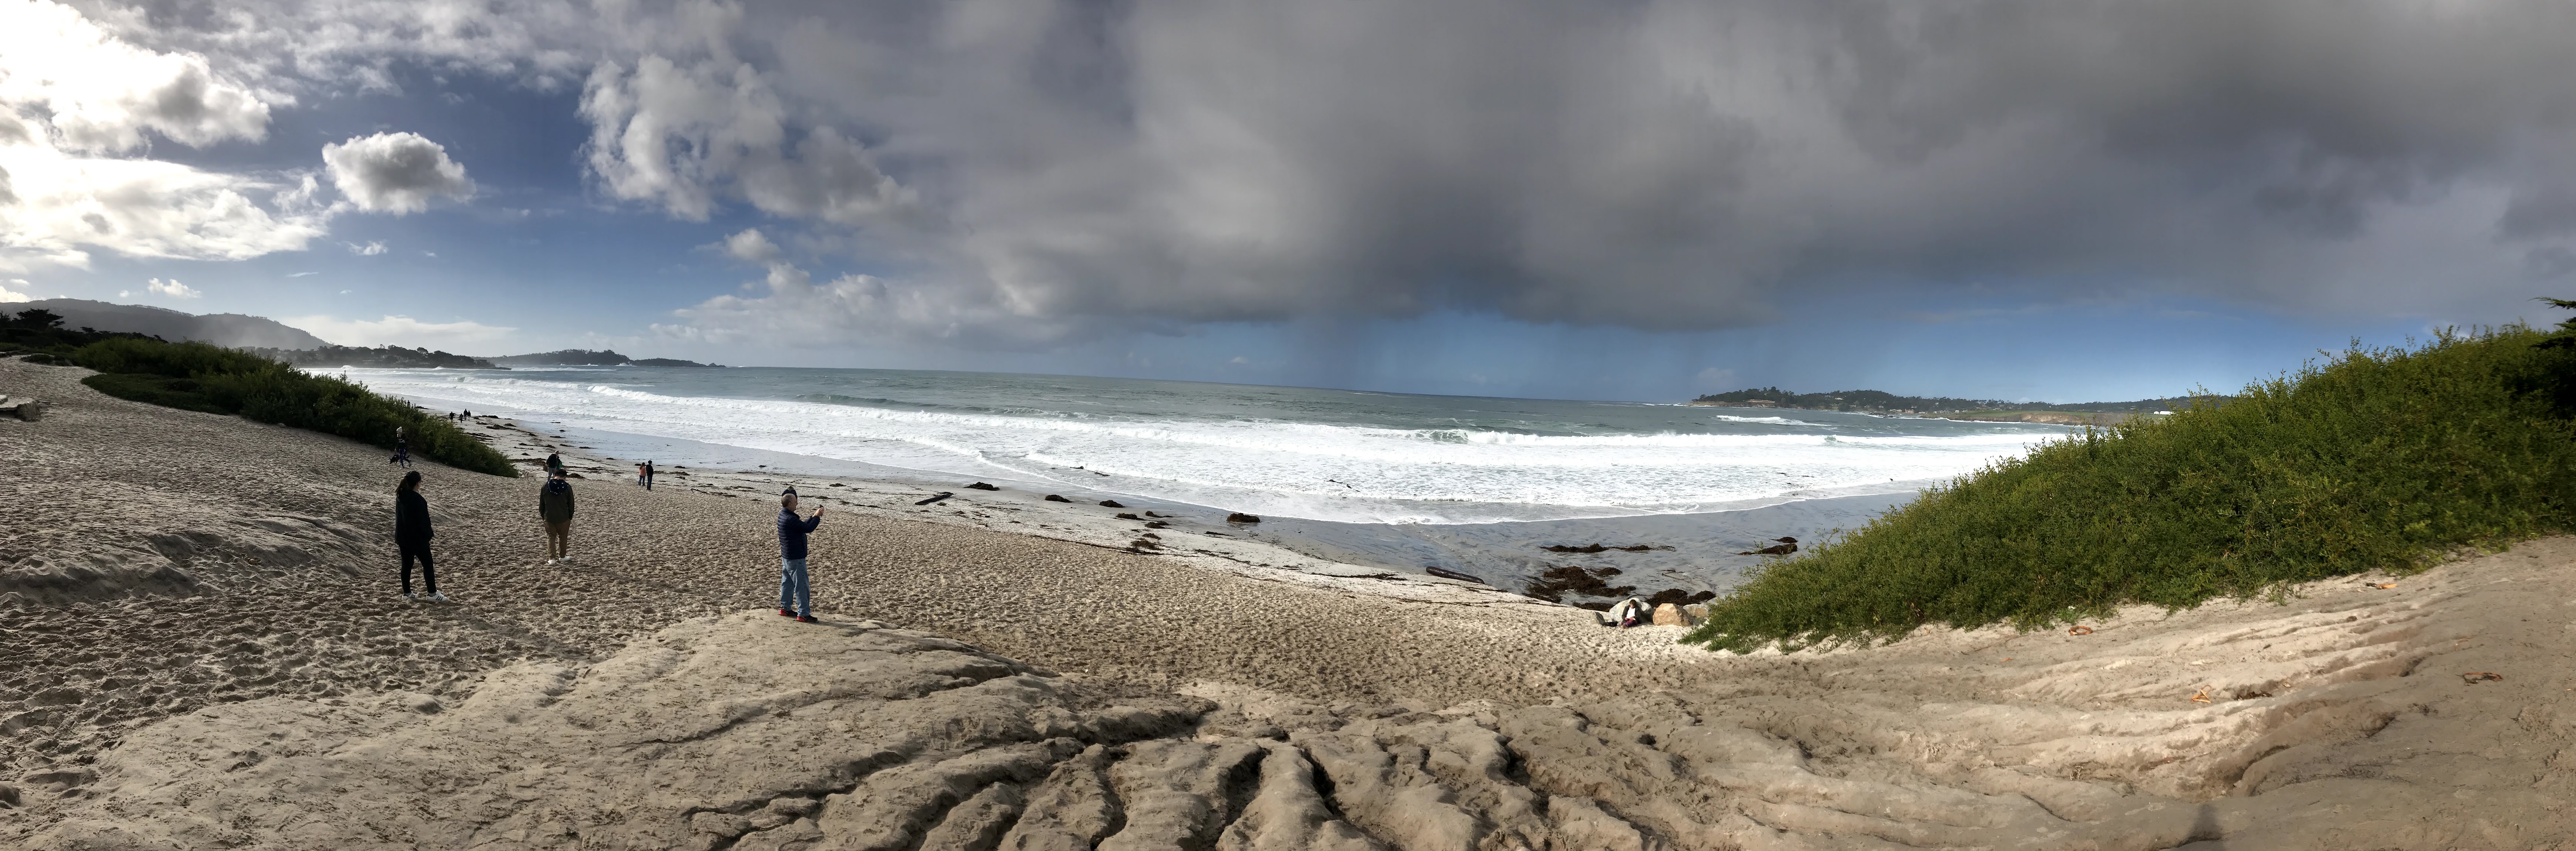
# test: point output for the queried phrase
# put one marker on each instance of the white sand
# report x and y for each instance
(157, 566)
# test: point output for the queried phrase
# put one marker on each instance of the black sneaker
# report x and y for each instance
(807, 619)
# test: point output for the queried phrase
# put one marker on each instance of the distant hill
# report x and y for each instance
(1880, 402)
(230, 330)
(586, 357)
(380, 357)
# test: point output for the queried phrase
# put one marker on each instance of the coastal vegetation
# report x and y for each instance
(2382, 459)
(38, 335)
(200, 377)
(380, 357)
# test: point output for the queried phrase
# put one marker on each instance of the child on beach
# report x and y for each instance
(639, 474)
(402, 448)
(411, 535)
(791, 559)
(554, 505)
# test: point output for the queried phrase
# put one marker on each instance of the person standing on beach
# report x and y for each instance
(792, 585)
(639, 474)
(554, 505)
(411, 535)
(648, 475)
(402, 447)
(554, 464)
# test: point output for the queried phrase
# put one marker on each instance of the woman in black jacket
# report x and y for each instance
(411, 534)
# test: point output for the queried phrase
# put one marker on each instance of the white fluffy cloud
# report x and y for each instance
(173, 288)
(99, 93)
(751, 246)
(68, 205)
(402, 331)
(683, 135)
(19, 294)
(398, 173)
(73, 97)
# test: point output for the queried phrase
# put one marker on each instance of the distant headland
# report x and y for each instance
(1883, 403)
(586, 357)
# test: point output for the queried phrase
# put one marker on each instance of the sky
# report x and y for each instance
(2054, 200)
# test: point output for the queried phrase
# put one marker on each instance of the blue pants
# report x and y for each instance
(793, 589)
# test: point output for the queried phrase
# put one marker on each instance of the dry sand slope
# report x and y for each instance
(200, 647)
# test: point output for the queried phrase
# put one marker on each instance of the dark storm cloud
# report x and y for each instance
(1043, 169)
(1692, 165)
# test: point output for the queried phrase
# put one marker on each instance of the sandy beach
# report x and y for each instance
(205, 647)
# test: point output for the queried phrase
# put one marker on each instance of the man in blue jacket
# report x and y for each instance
(792, 587)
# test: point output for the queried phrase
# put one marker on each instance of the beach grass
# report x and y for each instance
(200, 377)
(2380, 459)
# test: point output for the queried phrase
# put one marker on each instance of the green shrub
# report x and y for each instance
(200, 377)
(2383, 459)
(155, 389)
(175, 360)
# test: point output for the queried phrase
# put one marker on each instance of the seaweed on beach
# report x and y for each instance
(1557, 581)
(200, 377)
(2381, 459)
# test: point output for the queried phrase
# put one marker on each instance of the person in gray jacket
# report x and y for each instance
(554, 505)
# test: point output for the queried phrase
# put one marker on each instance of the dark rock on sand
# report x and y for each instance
(980, 486)
(1110, 503)
(1594, 548)
(1452, 574)
(1555, 582)
(1240, 517)
(1785, 546)
(1055, 498)
(1126, 516)
(1679, 597)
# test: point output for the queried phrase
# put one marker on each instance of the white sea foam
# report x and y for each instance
(1299, 469)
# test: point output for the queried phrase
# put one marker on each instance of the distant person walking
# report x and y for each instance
(793, 589)
(402, 448)
(554, 464)
(648, 475)
(411, 535)
(554, 505)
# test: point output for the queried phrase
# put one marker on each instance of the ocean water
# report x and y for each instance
(1396, 479)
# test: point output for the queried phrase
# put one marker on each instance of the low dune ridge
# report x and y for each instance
(204, 647)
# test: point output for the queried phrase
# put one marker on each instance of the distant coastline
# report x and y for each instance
(397, 357)
(1883, 403)
(602, 357)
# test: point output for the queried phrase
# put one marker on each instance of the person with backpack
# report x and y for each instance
(554, 464)
(793, 587)
(412, 534)
(554, 505)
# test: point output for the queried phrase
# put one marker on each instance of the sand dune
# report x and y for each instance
(204, 648)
